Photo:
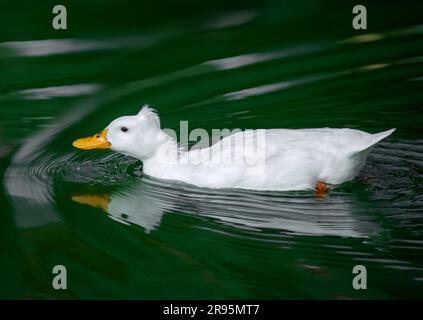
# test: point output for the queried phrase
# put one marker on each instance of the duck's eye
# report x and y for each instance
(124, 129)
(97, 136)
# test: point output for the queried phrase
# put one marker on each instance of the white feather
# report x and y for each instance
(288, 160)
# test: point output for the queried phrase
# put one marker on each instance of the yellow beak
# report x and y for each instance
(97, 141)
(97, 201)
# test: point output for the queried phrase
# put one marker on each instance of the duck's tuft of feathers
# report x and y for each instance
(150, 114)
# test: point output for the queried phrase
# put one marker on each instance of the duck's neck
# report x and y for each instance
(166, 157)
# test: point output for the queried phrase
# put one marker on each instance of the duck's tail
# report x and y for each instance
(370, 141)
(380, 136)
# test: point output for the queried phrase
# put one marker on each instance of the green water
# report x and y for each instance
(221, 64)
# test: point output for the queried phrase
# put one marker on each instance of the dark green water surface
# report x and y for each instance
(220, 64)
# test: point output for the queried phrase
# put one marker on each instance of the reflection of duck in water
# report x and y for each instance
(127, 208)
(273, 159)
(144, 202)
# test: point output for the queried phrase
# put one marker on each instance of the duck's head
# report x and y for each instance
(136, 135)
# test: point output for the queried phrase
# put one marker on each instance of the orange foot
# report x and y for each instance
(322, 189)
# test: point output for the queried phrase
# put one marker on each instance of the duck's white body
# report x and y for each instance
(272, 159)
(293, 160)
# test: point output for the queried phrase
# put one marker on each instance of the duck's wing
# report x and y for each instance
(309, 144)
(344, 141)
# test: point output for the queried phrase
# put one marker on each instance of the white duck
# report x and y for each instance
(271, 159)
